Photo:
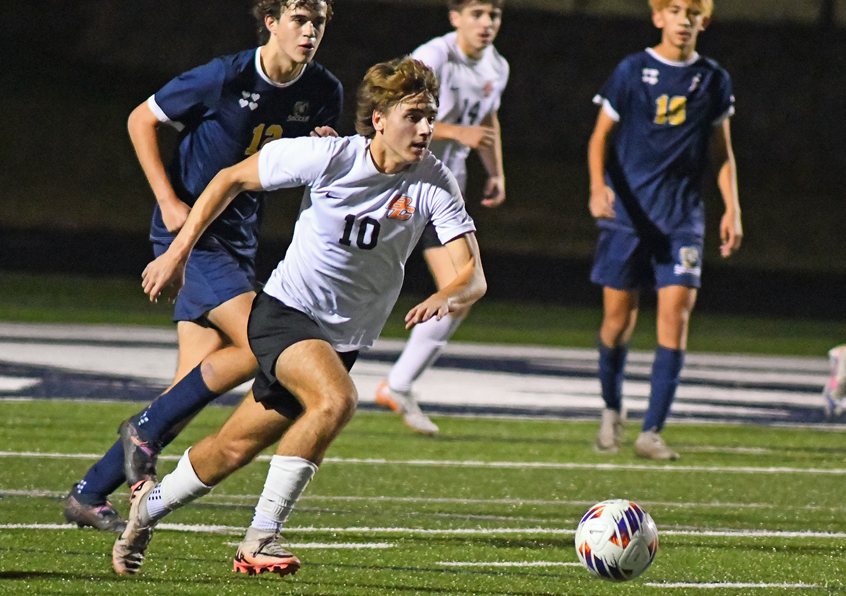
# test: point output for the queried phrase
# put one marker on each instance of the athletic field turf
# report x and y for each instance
(488, 507)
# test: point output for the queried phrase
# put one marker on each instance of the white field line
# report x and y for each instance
(492, 464)
(331, 545)
(508, 564)
(738, 585)
(237, 530)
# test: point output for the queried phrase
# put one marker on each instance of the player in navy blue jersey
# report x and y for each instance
(225, 111)
(668, 109)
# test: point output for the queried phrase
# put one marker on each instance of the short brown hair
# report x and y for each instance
(459, 5)
(389, 83)
(705, 6)
(275, 8)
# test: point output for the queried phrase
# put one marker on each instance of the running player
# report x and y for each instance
(225, 110)
(834, 392)
(368, 200)
(668, 107)
(473, 76)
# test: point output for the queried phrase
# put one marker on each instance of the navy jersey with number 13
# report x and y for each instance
(226, 111)
(665, 113)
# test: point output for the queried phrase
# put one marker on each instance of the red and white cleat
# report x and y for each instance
(261, 551)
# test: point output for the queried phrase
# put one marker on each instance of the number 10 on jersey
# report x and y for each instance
(368, 232)
(671, 110)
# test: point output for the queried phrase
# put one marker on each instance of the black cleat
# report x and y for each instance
(103, 516)
(139, 456)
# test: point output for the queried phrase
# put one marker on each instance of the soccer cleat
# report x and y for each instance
(101, 516)
(139, 456)
(650, 445)
(260, 551)
(405, 404)
(128, 551)
(834, 392)
(610, 435)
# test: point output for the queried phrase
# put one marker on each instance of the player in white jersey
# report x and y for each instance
(368, 199)
(473, 76)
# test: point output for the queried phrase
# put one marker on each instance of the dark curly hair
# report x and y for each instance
(275, 8)
(387, 84)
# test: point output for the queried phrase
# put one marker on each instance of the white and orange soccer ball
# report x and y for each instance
(616, 540)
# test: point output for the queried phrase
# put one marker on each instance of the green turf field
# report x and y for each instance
(486, 508)
(67, 299)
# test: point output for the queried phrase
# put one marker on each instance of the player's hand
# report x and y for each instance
(602, 203)
(731, 233)
(437, 305)
(166, 273)
(323, 131)
(477, 136)
(174, 214)
(494, 191)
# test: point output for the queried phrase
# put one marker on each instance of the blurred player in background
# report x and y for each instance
(225, 111)
(834, 393)
(668, 108)
(369, 198)
(473, 76)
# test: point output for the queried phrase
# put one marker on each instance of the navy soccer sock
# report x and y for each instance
(103, 478)
(665, 380)
(181, 403)
(612, 368)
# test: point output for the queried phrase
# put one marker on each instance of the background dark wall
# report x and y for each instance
(72, 71)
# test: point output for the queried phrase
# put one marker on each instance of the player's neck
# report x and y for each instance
(385, 160)
(674, 53)
(278, 67)
(468, 50)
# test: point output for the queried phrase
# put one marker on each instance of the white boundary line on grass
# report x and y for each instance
(212, 529)
(508, 564)
(492, 464)
(719, 585)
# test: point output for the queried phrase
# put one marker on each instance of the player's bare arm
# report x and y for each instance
(169, 269)
(469, 136)
(143, 131)
(491, 156)
(468, 286)
(731, 229)
(601, 196)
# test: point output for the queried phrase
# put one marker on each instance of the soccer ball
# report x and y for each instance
(616, 540)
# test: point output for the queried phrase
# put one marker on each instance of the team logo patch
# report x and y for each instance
(695, 83)
(688, 262)
(249, 100)
(300, 112)
(400, 208)
(488, 89)
(650, 76)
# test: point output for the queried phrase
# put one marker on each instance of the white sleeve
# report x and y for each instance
(432, 56)
(503, 81)
(449, 216)
(286, 163)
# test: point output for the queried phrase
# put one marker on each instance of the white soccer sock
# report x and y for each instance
(420, 352)
(286, 481)
(178, 488)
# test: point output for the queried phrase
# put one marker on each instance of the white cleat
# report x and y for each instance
(129, 549)
(650, 445)
(261, 551)
(834, 393)
(609, 439)
(405, 404)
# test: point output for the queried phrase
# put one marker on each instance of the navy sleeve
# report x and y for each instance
(724, 98)
(330, 110)
(198, 89)
(614, 94)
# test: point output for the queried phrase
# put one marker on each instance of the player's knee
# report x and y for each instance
(336, 408)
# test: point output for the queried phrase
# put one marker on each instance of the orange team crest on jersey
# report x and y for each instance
(401, 208)
(488, 88)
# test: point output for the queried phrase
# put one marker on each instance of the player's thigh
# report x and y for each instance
(232, 316)
(620, 304)
(274, 329)
(195, 344)
(253, 423)
(621, 261)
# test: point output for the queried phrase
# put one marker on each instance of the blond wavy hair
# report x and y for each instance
(706, 7)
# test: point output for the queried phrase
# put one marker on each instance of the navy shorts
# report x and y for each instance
(274, 327)
(626, 261)
(213, 276)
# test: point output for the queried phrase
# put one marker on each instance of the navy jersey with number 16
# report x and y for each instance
(226, 111)
(665, 112)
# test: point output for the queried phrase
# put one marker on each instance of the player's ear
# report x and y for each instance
(378, 120)
(658, 19)
(705, 22)
(270, 23)
(454, 18)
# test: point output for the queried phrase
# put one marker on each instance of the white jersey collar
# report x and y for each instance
(693, 58)
(267, 79)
